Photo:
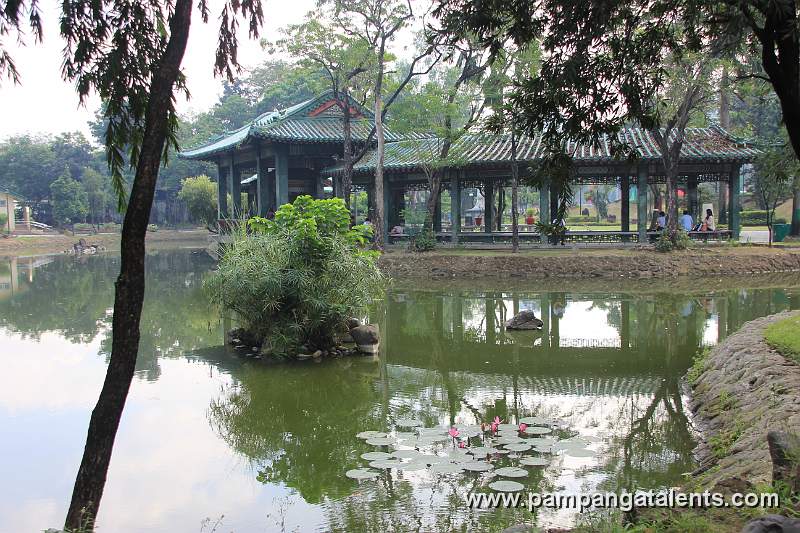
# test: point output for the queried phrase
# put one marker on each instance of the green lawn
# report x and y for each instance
(784, 336)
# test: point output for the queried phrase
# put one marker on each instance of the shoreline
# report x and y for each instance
(585, 264)
(741, 389)
(36, 245)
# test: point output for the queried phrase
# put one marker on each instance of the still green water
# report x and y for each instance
(260, 446)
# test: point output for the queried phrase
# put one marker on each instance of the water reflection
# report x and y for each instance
(241, 435)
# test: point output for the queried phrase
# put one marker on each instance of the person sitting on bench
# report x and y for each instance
(708, 222)
(686, 221)
(661, 221)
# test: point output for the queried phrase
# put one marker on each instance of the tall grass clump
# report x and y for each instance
(296, 280)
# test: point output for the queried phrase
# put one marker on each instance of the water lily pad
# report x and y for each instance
(406, 454)
(511, 471)
(509, 440)
(535, 421)
(447, 468)
(385, 464)
(370, 435)
(431, 459)
(570, 443)
(536, 430)
(477, 466)
(502, 452)
(413, 466)
(534, 461)
(507, 427)
(408, 423)
(375, 456)
(518, 447)
(541, 441)
(482, 451)
(361, 473)
(506, 486)
(433, 431)
(381, 441)
(404, 435)
(579, 452)
(543, 449)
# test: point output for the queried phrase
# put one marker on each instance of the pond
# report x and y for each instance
(212, 439)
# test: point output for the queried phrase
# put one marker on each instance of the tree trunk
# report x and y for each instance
(130, 285)
(514, 193)
(380, 154)
(796, 207)
(347, 133)
(434, 191)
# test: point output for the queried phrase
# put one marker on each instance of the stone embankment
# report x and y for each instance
(589, 263)
(741, 390)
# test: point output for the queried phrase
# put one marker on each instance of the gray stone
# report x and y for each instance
(784, 449)
(772, 523)
(353, 323)
(365, 334)
(524, 320)
(318, 353)
(304, 356)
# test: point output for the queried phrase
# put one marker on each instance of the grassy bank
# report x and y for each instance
(54, 244)
(784, 336)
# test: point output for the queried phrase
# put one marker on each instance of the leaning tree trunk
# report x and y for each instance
(514, 193)
(796, 207)
(434, 192)
(379, 152)
(130, 285)
(347, 134)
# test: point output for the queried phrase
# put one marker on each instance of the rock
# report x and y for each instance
(353, 323)
(524, 320)
(783, 450)
(346, 337)
(366, 338)
(318, 353)
(304, 356)
(772, 523)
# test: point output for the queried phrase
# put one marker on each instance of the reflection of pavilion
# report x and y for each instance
(12, 270)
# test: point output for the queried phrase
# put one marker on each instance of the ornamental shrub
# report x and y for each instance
(295, 280)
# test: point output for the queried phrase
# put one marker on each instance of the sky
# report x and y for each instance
(44, 103)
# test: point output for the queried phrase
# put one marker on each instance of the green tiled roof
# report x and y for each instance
(701, 145)
(307, 122)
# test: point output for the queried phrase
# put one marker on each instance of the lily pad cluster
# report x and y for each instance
(500, 451)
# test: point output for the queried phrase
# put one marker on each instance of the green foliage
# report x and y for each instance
(152, 227)
(70, 201)
(757, 217)
(721, 442)
(3, 220)
(425, 241)
(784, 336)
(200, 196)
(296, 279)
(679, 240)
(698, 366)
(98, 197)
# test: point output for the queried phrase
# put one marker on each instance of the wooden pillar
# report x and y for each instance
(694, 205)
(544, 202)
(455, 205)
(222, 192)
(625, 214)
(281, 175)
(264, 192)
(488, 205)
(734, 216)
(641, 201)
(235, 187)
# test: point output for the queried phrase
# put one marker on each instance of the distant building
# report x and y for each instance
(8, 207)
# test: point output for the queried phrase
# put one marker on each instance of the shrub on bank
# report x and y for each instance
(757, 217)
(784, 336)
(295, 280)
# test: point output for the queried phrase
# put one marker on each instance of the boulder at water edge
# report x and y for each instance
(366, 338)
(524, 320)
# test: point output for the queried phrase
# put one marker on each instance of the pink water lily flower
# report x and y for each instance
(495, 424)
(453, 432)
(462, 445)
(522, 426)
